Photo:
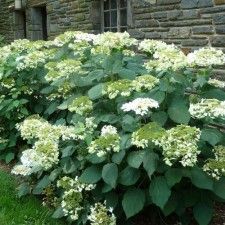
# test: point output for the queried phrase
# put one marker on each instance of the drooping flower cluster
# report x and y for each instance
(211, 108)
(108, 41)
(109, 141)
(216, 167)
(100, 215)
(73, 196)
(151, 46)
(81, 105)
(206, 57)
(63, 69)
(180, 144)
(168, 58)
(126, 87)
(216, 83)
(120, 87)
(149, 133)
(141, 106)
(45, 153)
(34, 59)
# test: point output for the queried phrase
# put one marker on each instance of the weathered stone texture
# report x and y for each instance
(188, 23)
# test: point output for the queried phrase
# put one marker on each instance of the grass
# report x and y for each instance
(25, 211)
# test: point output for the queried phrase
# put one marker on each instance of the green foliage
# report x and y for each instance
(80, 97)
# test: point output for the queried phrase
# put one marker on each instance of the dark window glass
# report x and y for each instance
(107, 19)
(106, 4)
(123, 17)
(113, 18)
(123, 3)
(114, 4)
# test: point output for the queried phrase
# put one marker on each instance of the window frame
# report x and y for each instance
(118, 22)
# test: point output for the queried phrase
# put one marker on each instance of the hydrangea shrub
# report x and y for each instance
(107, 126)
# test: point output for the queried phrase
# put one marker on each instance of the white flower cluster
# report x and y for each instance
(168, 58)
(211, 108)
(107, 142)
(206, 57)
(126, 87)
(73, 196)
(34, 59)
(149, 133)
(100, 215)
(62, 69)
(65, 38)
(81, 105)
(141, 106)
(107, 41)
(151, 46)
(180, 143)
(216, 167)
(216, 83)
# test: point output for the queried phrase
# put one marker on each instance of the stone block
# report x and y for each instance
(218, 41)
(219, 2)
(195, 42)
(167, 2)
(190, 4)
(220, 29)
(203, 30)
(179, 32)
(219, 18)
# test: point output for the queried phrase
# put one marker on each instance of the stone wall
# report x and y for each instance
(188, 23)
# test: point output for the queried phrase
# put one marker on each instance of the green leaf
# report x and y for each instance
(133, 202)
(203, 213)
(150, 162)
(200, 179)
(215, 93)
(95, 92)
(212, 136)
(68, 151)
(173, 176)
(42, 184)
(91, 175)
(58, 213)
(129, 176)
(127, 74)
(110, 174)
(159, 191)
(135, 159)
(23, 189)
(178, 111)
(160, 117)
(219, 188)
(118, 157)
(9, 157)
(129, 123)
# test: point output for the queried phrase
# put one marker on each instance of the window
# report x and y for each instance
(20, 29)
(39, 23)
(114, 15)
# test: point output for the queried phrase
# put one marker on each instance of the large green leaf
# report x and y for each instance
(173, 176)
(159, 191)
(200, 179)
(203, 213)
(212, 136)
(133, 202)
(150, 162)
(219, 188)
(95, 92)
(178, 111)
(91, 175)
(110, 174)
(135, 159)
(129, 176)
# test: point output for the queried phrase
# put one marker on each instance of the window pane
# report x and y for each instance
(114, 29)
(106, 4)
(113, 4)
(122, 29)
(123, 3)
(106, 29)
(123, 17)
(113, 18)
(106, 19)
